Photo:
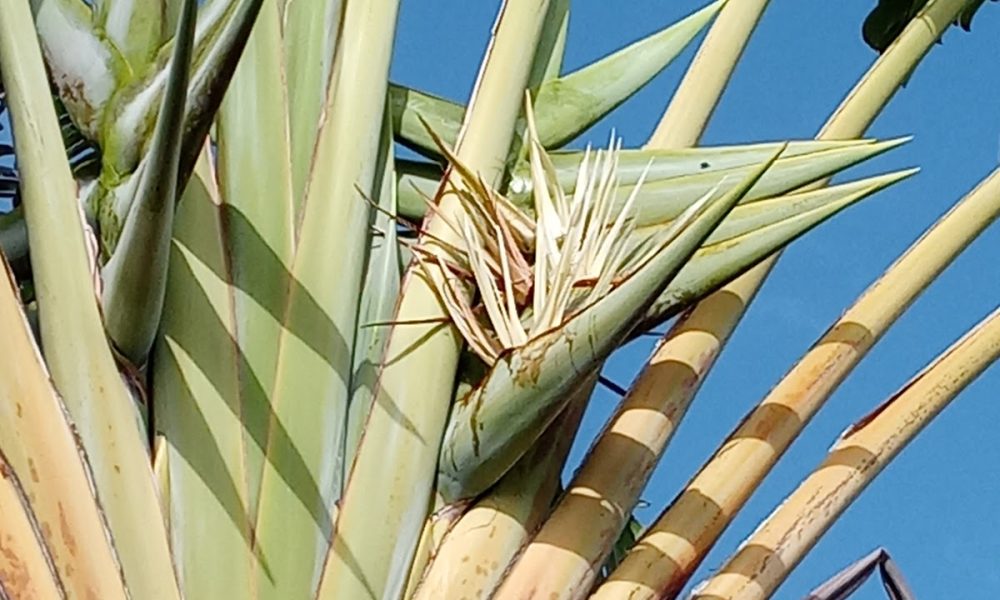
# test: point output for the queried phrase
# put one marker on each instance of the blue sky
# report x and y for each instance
(935, 507)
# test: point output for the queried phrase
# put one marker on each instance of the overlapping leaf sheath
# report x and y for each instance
(42, 469)
(388, 494)
(76, 350)
(132, 308)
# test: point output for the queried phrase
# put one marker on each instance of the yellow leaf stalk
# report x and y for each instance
(674, 546)
(764, 560)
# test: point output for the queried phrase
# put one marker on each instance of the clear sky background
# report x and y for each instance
(936, 507)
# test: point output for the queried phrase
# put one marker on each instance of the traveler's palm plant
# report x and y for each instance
(267, 359)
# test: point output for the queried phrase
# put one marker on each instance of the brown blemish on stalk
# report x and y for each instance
(16, 580)
(66, 531)
(474, 423)
(529, 366)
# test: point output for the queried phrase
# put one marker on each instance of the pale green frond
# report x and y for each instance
(662, 198)
(757, 215)
(72, 334)
(255, 183)
(716, 264)
(136, 275)
(414, 112)
(667, 164)
(692, 171)
(417, 183)
(310, 30)
(315, 353)
(209, 415)
(389, 494)
(565, 106)
(551, 48)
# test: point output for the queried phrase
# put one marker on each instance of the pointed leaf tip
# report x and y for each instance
(136, 275)
(571, 104)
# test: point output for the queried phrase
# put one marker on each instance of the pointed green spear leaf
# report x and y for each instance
(665, 164)
(747, 218)
(566, 107)
(136, 275)
(718, 263)
(215, 55)
(492, 427)
(72, 335)
(669, 188)
(675, 179)
(211, 78)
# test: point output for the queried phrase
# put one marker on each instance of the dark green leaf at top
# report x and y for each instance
(890, 17)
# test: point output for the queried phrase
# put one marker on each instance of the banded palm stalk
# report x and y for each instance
(218, 399)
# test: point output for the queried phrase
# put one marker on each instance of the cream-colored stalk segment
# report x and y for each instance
(40, 450)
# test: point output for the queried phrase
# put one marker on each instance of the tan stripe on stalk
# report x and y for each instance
(767, 557)
(675, 545)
